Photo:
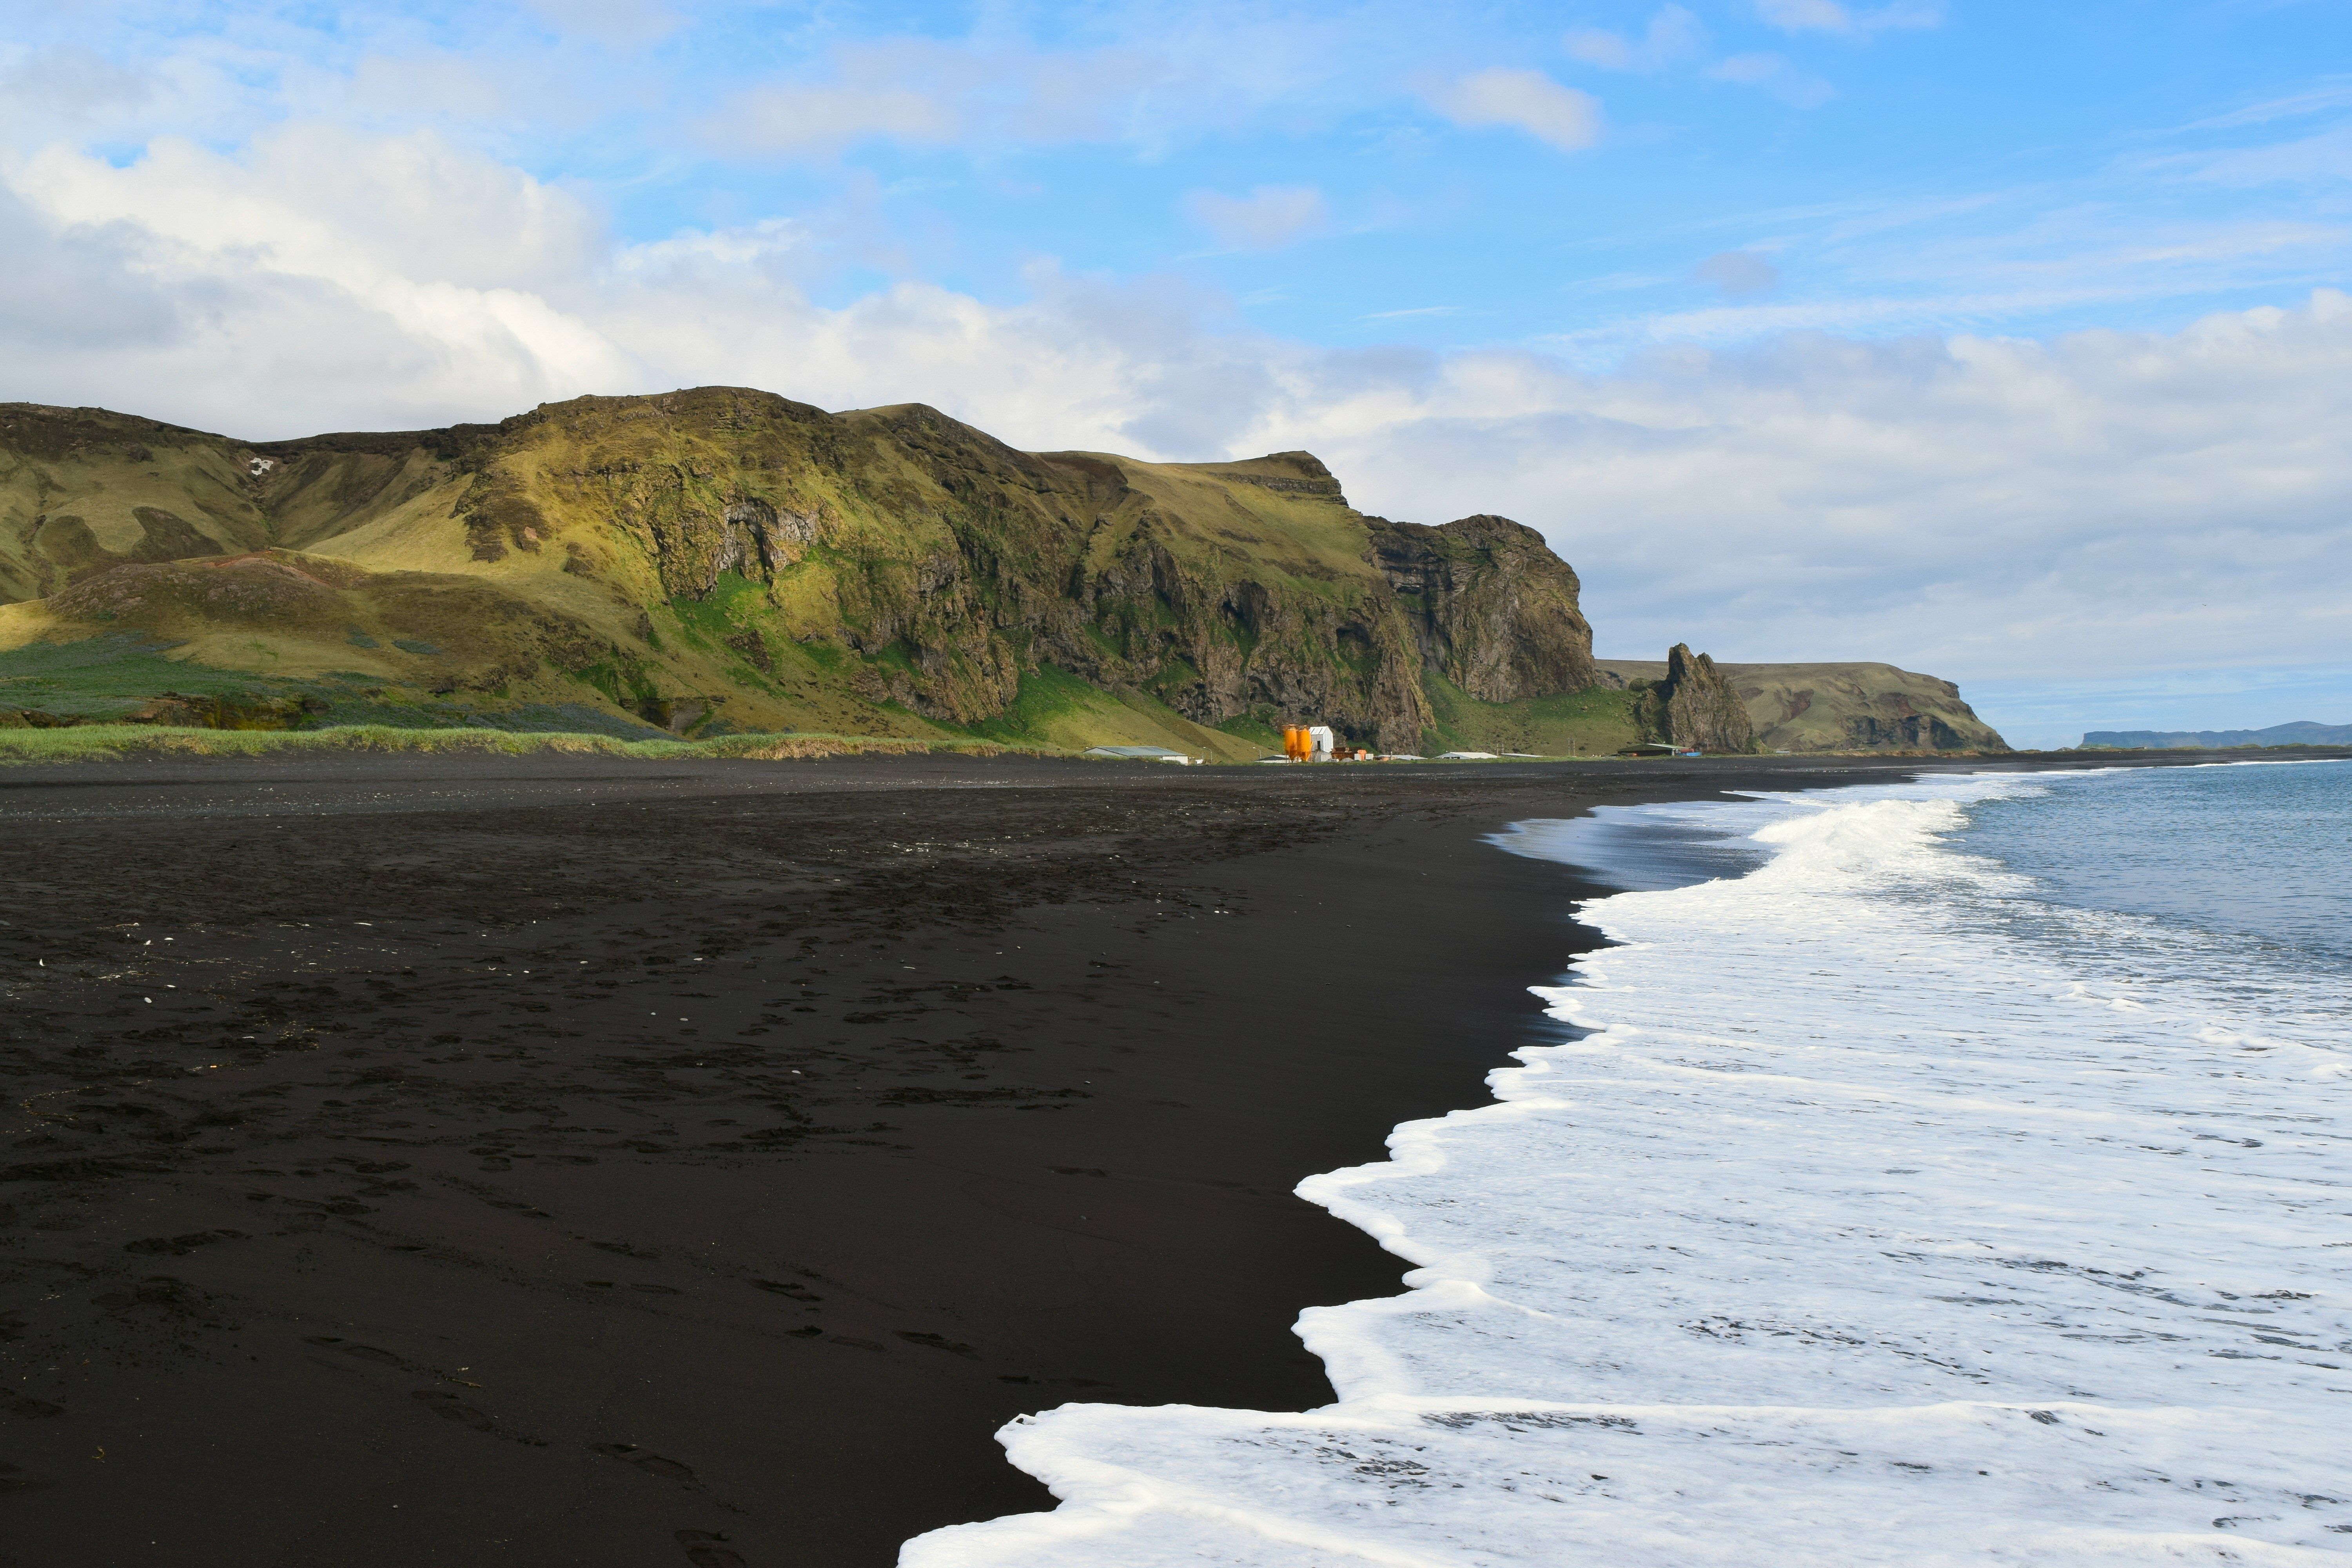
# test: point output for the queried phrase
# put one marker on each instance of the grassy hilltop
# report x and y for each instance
(723, 560)
(1839, 707)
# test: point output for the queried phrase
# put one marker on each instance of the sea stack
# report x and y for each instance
(1698, 708)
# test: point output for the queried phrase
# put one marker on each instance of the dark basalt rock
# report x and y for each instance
(1490, 605)
(1696, 707)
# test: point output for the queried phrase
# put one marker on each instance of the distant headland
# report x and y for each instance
(2301, 733)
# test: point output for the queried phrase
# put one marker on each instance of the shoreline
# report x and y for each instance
(1799, 1157)
(448, 1262)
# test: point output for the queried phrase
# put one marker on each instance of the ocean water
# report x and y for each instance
(1952, 1172)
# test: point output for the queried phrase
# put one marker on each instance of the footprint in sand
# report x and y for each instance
(653, 1463)
(786, 1287)
(181, 1246)
(937, 1342)
(703, 1548)
(362, 1352)
(449, 1407)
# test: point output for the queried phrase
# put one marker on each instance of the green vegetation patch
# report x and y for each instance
(1049, 698)
(101, 677)
(733, 602)
(1592, 722)
(116, 742)
(346, 710)
(89, 682)
(1256, 728)
(1056, 708)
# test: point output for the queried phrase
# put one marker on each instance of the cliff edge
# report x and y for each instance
(1695, 706)
(724, 559)
(1839, 707)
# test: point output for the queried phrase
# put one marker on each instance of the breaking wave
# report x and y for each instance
(1889, 1209)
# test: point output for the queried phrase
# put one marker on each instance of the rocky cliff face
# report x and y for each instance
(768, 564)
(1491, 607)
(1695, 706)
(1839, 707)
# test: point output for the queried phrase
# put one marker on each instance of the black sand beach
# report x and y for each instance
(582, 1162)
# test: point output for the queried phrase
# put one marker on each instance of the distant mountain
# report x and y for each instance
(2301, 733)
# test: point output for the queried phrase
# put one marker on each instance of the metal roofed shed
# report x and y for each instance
(1142, 754)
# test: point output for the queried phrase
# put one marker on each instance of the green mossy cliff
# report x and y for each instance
(725, 559)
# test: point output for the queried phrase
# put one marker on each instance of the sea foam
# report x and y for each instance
(1885, 1213)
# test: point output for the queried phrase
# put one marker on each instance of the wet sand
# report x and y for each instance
(579, 1161)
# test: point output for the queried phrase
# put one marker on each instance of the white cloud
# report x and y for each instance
(319, 200)
(929, 92)
(2102, 504)
(909, 90)
(1741, 274)
(1598, 47)
(72, 85)
(416, 86)
(75, 292)
(326, 279)
(608, 21)
(1674, 35)
(1526, 100)
(1796, 16)
(1774, 74)
(2335, 94)
(1830, 17)
(827, 118)
(2321, 158)
(67, 91)
(1268, 218)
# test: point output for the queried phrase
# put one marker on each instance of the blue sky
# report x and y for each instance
(1897, 168)
(1998, 340)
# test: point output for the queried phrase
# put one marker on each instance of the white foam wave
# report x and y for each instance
(1881, 1217)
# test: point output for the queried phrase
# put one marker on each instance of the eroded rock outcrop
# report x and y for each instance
(1696, 707)
(1839, 707)
(1490, 605)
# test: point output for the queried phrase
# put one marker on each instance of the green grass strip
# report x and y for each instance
(116, 742)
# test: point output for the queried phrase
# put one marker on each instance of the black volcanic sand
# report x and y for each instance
(587, 1161)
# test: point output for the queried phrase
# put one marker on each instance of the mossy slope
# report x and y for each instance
(727, 560)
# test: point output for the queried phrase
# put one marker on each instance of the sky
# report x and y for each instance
(2010, 343)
